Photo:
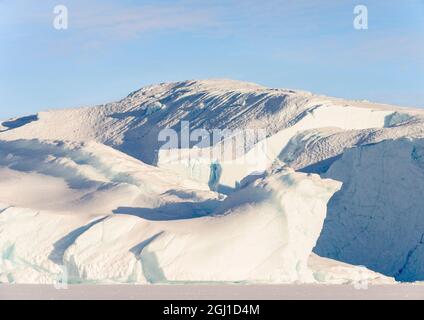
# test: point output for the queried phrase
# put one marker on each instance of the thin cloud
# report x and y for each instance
(109, 20)
(128, 22)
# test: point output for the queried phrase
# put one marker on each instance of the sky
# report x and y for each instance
(112, 48)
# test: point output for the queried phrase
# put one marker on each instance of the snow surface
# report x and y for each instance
(89, 178)
(130, 125)
(36, 246)
(270, 244)
(32, 243)
(263, 154)
(266, 233)
(90, 193)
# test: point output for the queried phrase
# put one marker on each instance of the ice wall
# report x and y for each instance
(376, 219)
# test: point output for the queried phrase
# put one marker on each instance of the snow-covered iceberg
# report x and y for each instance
(90, 192)
(265, 232)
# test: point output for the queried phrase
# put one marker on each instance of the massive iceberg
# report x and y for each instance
(264, 232)
(91, 195)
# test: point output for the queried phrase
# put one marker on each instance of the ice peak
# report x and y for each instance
(217, 86)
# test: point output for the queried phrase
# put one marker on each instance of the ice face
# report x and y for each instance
(375, 220)
(215, 176)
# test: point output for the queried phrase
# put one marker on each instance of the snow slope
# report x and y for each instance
(32, 243)
(261, 238)
(266, 233)
(90, 178)
(196, 165)
(91, 192)
(133, 124)
(271, 243)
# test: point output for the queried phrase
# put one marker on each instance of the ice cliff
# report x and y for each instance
(376, 220)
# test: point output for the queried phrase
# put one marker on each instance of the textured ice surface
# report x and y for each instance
(90, 178)
(264, 232)
(32, 243)
(334, 272)
(71, 202)
(376, 219)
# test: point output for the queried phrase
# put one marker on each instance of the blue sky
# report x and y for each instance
(114, 47)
